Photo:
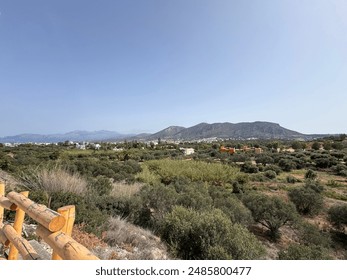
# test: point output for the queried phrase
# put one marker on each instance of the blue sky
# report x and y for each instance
(140, 66)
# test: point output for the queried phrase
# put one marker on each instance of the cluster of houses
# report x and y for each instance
(231, 151)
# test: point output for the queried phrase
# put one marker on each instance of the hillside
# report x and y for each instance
(245, 130)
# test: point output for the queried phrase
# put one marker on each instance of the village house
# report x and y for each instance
(187, 151)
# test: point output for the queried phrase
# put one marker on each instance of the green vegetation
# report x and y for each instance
(208, 235)
(208, 205)
(306, 200)
(167, 171)
(303, 252)
(271, 212)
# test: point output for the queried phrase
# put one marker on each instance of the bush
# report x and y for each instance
(270, 174)
(287, 164)
(303, 252)
(86, 211)
(271, 212)
(311, 235)
(310, 174)
(314, 185)
(273, 167)
(151, 204)
(291, 179)
(208, 235)
(341, 170)
(248, 167)
(114, 206)
(306, 200)
(234, 209)
(337, 215)
(258, 178)
(100, 185)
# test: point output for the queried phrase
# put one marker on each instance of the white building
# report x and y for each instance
(187, 151)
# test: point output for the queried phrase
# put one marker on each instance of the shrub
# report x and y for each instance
(273, 167)
(259, 178)
(311, 235)
(195, 196)
(270, 174)
(86, 211)
(337, 215)
(306, 200)
(100, 185)
(340, 169)
(314, 185)
(234, 209)
(271, 212)
(248, 167)
(291, 179)
(114, 206)
(208, 235)
(152, 204)
(287, 165)
(303, 252)
(264, 159)
(310, 174)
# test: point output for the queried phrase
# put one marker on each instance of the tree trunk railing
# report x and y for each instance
(53, 227)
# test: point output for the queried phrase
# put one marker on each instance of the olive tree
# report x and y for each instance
(191, 234)
(306, 200)
(337, 215)
(271, 212)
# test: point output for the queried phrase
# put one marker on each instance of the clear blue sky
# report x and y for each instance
(140, 66)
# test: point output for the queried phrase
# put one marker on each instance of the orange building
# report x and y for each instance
(227, 150)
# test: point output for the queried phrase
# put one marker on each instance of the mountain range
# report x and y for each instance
(240, 131)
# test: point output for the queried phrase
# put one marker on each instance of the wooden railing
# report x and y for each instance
(54, 228)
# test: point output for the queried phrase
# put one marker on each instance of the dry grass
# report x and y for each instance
(10, 182)
(54, 180)
(122, 189)
(141, 243)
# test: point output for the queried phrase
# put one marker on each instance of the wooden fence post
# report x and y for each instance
(68, 212)
(2, 193)
(64, 245)
(18, 226)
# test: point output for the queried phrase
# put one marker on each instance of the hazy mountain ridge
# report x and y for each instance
(77, 135)
(226, 130)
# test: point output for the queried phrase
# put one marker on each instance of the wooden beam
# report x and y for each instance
(65, 246)
(7, 204)
(50, 219)
(23, 246)
(18, 226)
(2, 193)
(3, 239)
(68, 212)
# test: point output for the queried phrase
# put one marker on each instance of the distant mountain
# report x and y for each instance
(238, 131)
(167, 133)
(261, 130)
(244, 130)
(77, 135)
